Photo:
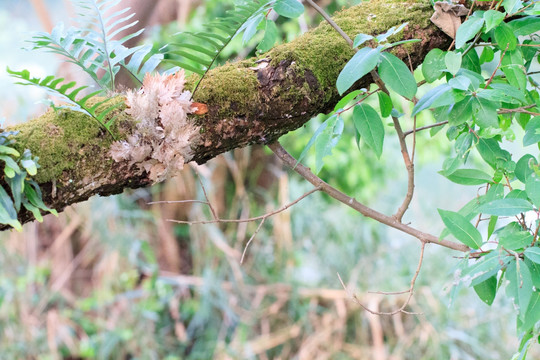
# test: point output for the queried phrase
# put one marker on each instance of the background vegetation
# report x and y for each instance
(113, 279)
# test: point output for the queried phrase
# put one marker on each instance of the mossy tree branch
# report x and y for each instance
(252, 101)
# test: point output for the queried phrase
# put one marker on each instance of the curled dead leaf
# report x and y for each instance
(199, 108)
(447, 17)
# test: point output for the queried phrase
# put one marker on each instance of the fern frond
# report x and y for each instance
(198, 51)
(93, 46)
(68, 92)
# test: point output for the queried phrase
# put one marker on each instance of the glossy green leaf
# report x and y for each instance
(385, 104)
(271, 35)
(491, 152)
(533, 254)
(461, 112)
(314, 138)
(370, 127)
(512, 6)
(520, 287)
(289, 8)
(512, 65)
(469, 177)
(431, 97)
(360, 39)
(492, 18)
(505, 38)
(484, 113)
(346, 100)
(506, 207)
(468, 30)
(328, 140)
(8, 214)
(486, 267)
(461, 228)
(453, 60)
(433, 65)
(525, 26)
(532, 188)
(487, 55)
(523, 167)
(515, 240)
(532, 132)
(397, 76)
(532, 315)
(360, 64)
(487, 290)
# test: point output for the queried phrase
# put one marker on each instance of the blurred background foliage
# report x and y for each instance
(113, 279)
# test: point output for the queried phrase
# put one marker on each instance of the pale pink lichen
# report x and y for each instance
(160, 144)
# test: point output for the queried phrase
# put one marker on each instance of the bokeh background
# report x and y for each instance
(112, 278)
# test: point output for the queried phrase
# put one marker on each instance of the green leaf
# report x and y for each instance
(468, 30)
(360, 64)
(385, 104)
(485, 113)
(314, 138)
(360, 39)
(433, 65)
(523, 167)
(328, 140)
(346, 100)
(460, 82)
(491, 152)
(370, 127)
(461, 228)
(486, 267)
(520, 287)
(487, 55)
(453, 61)
(506, 207)
(471, 62)
(8, 214)
(486, 290)
(532, 129)
(397, 76)
(533, 254)
(532, 188)
(430, 98)
(289, 8)
(505, 38)
(492, 18)
(461, 112)
(512, 6)
(271, 35)
(469, 177)
(515, 240)
(532, 315)
(16, 184)
(525, 26)
(9, 151)
(513, 69)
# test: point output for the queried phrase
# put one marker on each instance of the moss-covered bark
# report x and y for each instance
(252, 101)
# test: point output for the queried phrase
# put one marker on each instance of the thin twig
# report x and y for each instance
(251, 239)
(261, 217)
(361, 208)
(407, 133)
(497, 67)
(330, 21)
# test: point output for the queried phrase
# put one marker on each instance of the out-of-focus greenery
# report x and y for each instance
(111, 279)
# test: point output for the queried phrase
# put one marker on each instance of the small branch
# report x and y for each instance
(330, 21)
(522, 109)
(261, 217)
(407, 133)
(410, 291)
(498, 66)
(361, 208)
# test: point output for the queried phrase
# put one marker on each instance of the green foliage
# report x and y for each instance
(198, 51)
(18, 170)
(488, 95)
(56, 87)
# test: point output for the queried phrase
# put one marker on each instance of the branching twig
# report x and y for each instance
(410, 291)
(330, 21)
(361, 208)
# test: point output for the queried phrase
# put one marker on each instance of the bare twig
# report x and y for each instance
(330, 21)
(361, 208)
(407, 133)
(251, 239)
(261, 217)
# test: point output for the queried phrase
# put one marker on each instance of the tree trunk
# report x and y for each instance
(252, 101)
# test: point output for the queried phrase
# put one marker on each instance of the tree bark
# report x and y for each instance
(251, 101)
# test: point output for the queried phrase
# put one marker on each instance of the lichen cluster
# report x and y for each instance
(160, 143)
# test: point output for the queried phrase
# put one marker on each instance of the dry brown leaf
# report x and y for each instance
(447, 17)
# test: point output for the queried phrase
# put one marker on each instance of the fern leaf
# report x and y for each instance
(198, 51)
(68, 92)
(94, 47)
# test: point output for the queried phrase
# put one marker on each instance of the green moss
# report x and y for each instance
(233, 86)
(325, 52)
(62, 138)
